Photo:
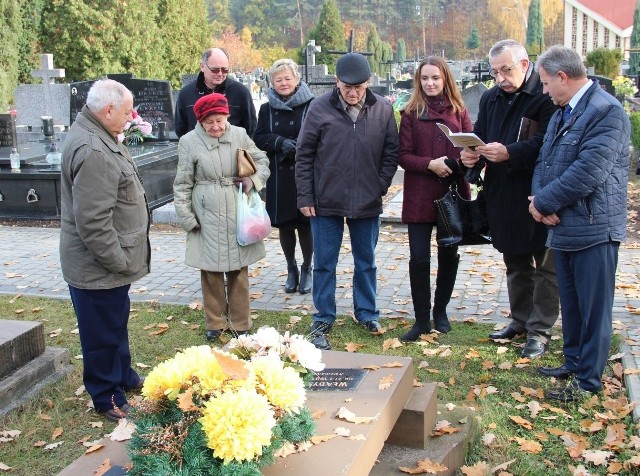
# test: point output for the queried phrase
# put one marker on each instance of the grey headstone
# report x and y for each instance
(471, 97)
(30, 106)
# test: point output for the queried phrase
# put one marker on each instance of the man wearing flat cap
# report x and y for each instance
(346, 157)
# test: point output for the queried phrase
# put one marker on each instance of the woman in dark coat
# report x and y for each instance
(431, 165)
(279, 122)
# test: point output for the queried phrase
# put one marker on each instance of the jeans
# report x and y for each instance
(327, 240)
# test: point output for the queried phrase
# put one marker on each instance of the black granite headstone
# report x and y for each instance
(7, 131)
(605, 83)
(153, 99)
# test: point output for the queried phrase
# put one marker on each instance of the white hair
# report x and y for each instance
(105, 92)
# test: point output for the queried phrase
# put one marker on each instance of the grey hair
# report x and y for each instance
(560, 58)
(106, 92)
(207, 54)
(282, 64)
(518, 52)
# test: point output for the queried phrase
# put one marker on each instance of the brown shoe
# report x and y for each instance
(116, 413)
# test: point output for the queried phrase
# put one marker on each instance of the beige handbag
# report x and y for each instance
(246, 165)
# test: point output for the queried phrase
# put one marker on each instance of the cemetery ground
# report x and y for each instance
(520, 433)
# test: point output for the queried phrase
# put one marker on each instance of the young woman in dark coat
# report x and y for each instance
(279, 122)
(431, 165)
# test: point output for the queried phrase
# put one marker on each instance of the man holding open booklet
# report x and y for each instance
(508, 145)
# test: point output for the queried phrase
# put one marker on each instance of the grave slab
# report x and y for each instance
(338, 456)
(20, 342)
(417, 419)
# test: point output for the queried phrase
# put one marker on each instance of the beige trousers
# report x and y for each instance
(232, 304)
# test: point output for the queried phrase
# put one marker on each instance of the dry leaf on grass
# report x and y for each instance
(56, 433)
(425, 466)
(347, 415)
(502, 467)
(597, 457)
(352, 346)
(526, 424)
(4, 467)
(53, 446)
(488, 439)
(528, 446)
(393, 343)
(481, 468)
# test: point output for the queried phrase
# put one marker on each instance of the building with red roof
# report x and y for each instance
(591, 24)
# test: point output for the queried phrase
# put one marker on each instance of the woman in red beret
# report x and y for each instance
(205, 191)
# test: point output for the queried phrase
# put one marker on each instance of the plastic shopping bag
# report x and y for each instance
(252, 218)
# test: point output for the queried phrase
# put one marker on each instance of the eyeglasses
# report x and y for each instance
(357, 87)
(217, 70)
(503, 71)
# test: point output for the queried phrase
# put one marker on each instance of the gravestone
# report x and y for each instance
(471, 97)
(8, 137)
(153, 99)
(605, 83)
(405, 84)
(47, 99)
(26, 364)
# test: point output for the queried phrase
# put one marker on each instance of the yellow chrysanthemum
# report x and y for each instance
(282, 385)
(238, 424)
(170, 376)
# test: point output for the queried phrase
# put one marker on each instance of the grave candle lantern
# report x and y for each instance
(47, 126)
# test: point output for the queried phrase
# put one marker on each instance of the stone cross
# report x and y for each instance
(47, 73)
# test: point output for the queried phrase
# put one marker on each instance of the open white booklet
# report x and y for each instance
(467, 140)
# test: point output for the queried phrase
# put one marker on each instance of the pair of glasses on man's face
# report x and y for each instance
(217, 70)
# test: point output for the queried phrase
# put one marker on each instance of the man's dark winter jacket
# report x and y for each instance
(345, 168)
(241, 108)
(508, 184)
(582, 173)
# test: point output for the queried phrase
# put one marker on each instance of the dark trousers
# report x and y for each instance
(586, 280)
(103, 315)
(533, 293)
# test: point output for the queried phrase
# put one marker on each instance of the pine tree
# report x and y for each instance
(329, 35)
(10, 11)
(402, 51)
(473, 40)
(374, 45)
(535, 35)
(634, 58)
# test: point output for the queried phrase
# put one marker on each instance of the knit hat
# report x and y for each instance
(214, 103)
(353, 68)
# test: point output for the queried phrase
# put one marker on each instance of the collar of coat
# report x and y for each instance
(89, 121)
(531, 86)
(369, 100)
(213, 142)
(302, 96)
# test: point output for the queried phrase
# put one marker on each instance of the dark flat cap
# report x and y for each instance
(353, 68)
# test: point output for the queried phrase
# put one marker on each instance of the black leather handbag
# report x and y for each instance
(462, 221)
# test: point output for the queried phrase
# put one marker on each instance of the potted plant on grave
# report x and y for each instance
(207, 412)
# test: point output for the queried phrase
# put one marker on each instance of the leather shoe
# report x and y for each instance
(570, 393)
(321, 342)
(116, 413)
(319, 328)
(213, 334)
(507, 333)
(373, 326)
(533, 349)
(556, 372)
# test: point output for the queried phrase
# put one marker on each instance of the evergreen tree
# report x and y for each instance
(402, 51)
(10, 28)
(634, 58)
(374, 45)
(29, 38)
(535, 35)
(606, 62)
(329, 35)
(473, 40)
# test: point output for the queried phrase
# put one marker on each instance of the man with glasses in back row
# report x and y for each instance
(510, 158)
(213, 78)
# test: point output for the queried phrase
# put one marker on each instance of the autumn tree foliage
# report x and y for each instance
(242, 56)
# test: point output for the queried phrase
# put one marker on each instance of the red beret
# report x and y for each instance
(214, 103)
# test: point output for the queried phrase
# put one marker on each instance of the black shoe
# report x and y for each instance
(238, 333)
(373, 326)
(293, 277)
(557, 372)
(319, 328)
(507, 333)
(306, 278)
(214, 334)
(115, 413)
(533, 349)
(415, 332)
(321, 342)
(570, 393)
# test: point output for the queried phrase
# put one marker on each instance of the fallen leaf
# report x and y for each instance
(79, 391)
(346, 414)
(233, 367)
(425, 466)
(352, 346)
(39, 444)
(359, 436)
(123, 431)
(393, 343)
(4, 467)
(502, 467)
(528, 446)
(56, 433)
(93, 449)
(317, 439)
(185, 401)
(393, 365)
(481, 468)
(96, 424)
(318, 414)
(597, 457)
(53, 446)
(342, 431)
(488, 439)
(103, 468)
(526, 424)
(385, 382)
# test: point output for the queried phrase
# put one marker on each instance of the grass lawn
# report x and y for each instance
(469, 369)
